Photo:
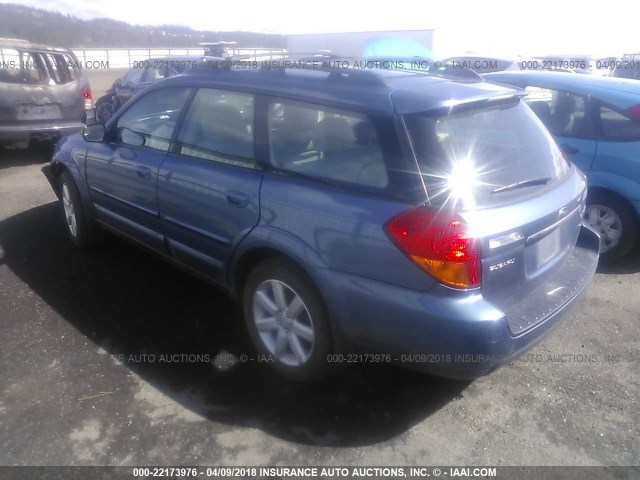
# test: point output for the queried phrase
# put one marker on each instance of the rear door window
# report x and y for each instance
(326, 143)
(475, 156)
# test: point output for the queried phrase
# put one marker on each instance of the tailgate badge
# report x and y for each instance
(500, 265)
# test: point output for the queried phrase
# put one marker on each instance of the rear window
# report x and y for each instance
(61, 67)
(37, 68)
(474, 158)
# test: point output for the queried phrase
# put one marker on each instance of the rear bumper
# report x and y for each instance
(444, 332)
(23, 133)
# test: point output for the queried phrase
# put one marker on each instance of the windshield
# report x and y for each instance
(478, 157)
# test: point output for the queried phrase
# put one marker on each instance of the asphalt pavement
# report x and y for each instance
(113, 357)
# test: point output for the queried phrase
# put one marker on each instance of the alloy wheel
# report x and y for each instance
(607, 222)
(283, 322)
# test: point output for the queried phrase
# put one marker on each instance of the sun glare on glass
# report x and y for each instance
(462, 180)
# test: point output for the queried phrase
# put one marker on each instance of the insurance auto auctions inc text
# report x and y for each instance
(361, 472)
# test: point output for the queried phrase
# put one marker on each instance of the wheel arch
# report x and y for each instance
(56, 169)
(609, 192)
(266, 243)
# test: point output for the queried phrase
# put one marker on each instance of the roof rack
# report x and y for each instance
(343, 69)
(359, 77)
(445, 71)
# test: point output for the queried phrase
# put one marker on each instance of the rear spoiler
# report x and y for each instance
(486, 99)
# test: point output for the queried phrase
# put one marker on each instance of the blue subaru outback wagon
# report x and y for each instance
(428, 218)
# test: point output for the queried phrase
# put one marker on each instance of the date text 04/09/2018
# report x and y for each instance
(307, 472)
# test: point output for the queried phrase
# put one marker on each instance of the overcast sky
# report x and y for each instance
(494, 26)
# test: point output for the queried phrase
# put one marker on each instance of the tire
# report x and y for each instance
(296, 346)
(615, 221)
(104, 109)
(78, 230)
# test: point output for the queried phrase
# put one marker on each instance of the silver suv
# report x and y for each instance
(44, 93)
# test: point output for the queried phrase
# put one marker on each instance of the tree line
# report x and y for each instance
(56, 29)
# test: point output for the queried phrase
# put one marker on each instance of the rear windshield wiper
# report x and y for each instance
(523, 183)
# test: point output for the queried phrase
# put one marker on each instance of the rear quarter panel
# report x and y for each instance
(340, 230)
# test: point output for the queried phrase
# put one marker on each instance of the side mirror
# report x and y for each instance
(94, 132)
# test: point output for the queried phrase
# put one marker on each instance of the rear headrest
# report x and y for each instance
(365, 134)
(299, 118)
(333, 134)
(224, 113)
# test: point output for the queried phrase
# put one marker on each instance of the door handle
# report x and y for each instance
(238, 199)
(568, 148)
(144, 172)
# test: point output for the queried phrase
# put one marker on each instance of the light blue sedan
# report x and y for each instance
(596, 121)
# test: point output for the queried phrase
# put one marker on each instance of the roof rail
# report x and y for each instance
(336, 68)
(353, 76)
(446, 71)
(342, 69)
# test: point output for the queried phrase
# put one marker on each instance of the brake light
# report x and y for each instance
(88, 101)
(440, 244)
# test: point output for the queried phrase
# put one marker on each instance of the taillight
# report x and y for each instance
(88, 102)
(440, 244)
(634, 112)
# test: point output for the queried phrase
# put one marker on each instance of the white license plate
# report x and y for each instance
(548, 247)
(38, 112)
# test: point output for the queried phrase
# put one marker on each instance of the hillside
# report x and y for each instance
(53, 28)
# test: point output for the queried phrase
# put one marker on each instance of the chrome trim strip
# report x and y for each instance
(552, 227)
